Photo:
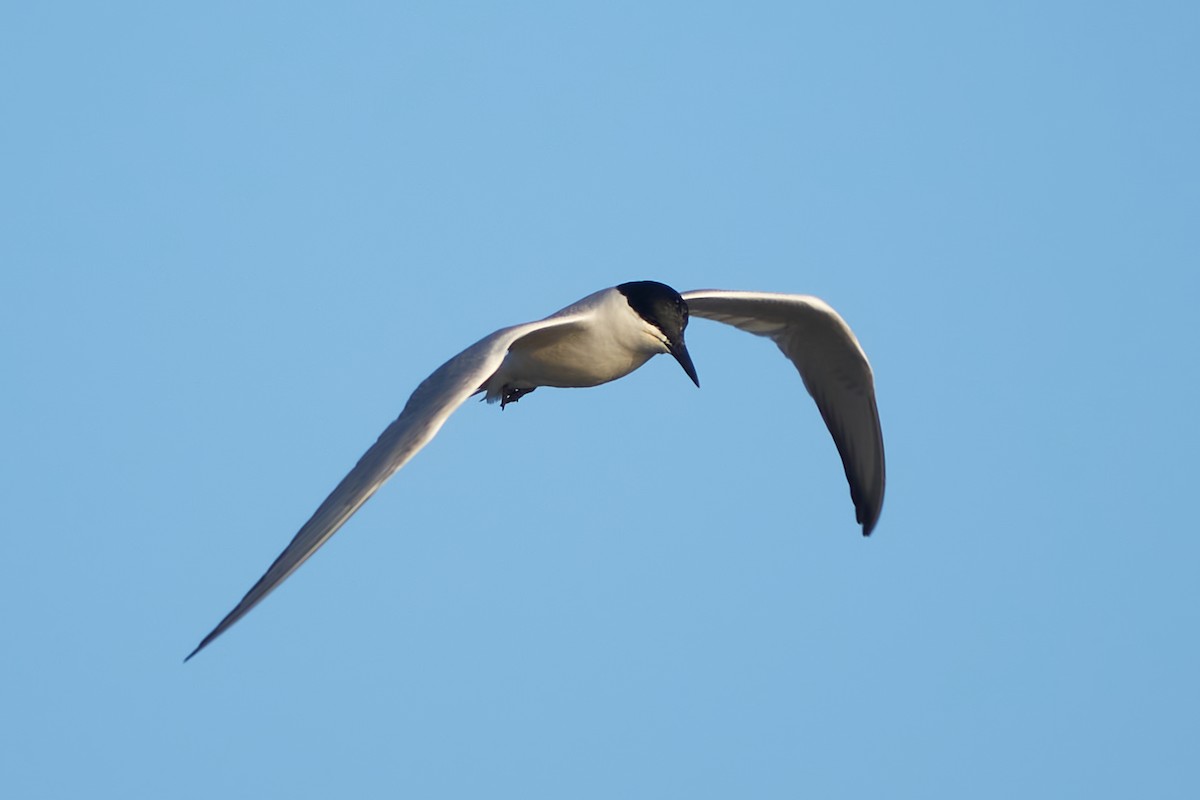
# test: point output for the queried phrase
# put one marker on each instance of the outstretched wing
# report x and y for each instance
(835, 372)
(429, 407)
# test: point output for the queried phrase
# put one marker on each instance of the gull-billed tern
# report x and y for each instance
(606, 336)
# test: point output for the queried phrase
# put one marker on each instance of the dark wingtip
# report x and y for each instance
(864, 517)
(868, 518)
(199, 647)
(206, 641)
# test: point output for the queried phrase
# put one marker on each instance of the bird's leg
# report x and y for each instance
(512, 395)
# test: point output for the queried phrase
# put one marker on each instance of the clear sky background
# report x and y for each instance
(234, 237)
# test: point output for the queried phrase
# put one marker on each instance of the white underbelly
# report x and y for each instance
(569, 362)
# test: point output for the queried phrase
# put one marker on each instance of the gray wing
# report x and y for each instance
(429, 407)
(835, 371)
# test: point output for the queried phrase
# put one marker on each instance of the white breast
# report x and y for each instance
(610, 342)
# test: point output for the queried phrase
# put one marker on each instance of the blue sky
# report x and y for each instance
(236, 237)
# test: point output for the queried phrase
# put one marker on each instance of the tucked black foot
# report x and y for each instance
(512, 395)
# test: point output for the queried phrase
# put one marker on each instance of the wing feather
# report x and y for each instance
(834, 369)
(430, 405)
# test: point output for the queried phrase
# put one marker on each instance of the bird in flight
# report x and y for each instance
(602, 337)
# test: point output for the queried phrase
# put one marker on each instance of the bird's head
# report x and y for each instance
(667, 314)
